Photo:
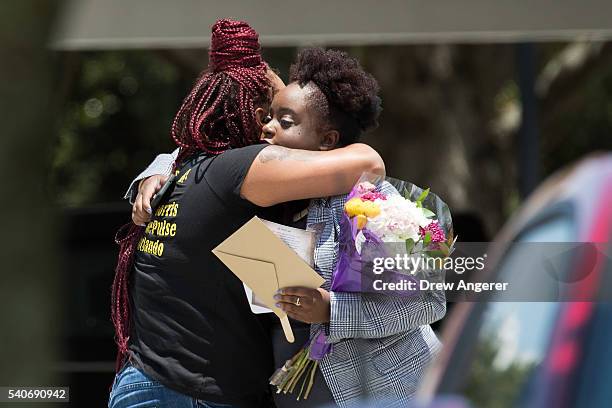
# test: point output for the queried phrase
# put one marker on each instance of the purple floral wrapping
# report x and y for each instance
(319, 347)
(350, 274)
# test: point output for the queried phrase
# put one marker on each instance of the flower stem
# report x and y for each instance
(298, 374)
(311, 382)
(291, 371)
(305, 378)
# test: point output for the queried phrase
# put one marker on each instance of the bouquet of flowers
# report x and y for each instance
(377, 222)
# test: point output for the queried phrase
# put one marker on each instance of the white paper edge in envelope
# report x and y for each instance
(254, 303)
(265, 264)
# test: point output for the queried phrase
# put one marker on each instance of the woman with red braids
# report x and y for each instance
(185, 332)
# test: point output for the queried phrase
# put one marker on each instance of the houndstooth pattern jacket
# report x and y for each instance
(381, 344)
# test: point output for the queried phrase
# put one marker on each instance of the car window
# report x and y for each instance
(513, 336)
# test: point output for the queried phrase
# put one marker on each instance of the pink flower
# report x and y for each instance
(373, 196)
(437, 233)
(364, 187)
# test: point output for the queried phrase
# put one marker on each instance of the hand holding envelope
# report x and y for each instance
(265, 264)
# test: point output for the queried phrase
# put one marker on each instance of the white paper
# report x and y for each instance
(301, 241)
(253, 303)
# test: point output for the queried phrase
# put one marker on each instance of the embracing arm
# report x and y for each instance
(372, 315)
(146, 184)
(280, 174)
(162, 165)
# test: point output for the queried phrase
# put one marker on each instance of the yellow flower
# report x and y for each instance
(371, 209)
(356, 206)
(362, 220)
(353, 207)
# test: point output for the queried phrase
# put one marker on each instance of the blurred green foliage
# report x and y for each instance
(583, 127)
(115, 113)
(116, 107)
(491, 386)
(115, 117)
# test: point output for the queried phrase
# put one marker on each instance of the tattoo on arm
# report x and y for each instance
(282, 153)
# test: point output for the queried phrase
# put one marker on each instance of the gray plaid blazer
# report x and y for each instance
(381, 343)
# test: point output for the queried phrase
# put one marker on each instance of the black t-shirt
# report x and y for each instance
(192, 328)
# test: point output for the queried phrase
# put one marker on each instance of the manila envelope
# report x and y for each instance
(265, 264)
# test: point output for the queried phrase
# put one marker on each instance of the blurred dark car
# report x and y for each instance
(500, 353)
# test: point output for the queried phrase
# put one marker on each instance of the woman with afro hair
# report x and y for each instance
(381, 343)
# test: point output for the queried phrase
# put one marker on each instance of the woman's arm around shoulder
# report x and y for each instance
(280, 174)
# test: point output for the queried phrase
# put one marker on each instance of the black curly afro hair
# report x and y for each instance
(352, 105)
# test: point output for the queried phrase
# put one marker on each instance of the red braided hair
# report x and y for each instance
(218, 114)
(127, 238)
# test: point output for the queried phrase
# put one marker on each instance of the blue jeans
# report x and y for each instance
(132, 388)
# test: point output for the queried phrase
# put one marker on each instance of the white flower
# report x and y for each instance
(399, 220)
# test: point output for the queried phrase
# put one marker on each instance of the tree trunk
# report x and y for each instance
(29, 291)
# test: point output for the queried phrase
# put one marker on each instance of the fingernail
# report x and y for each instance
(277, 297)
(148, 210)
(278, 305)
